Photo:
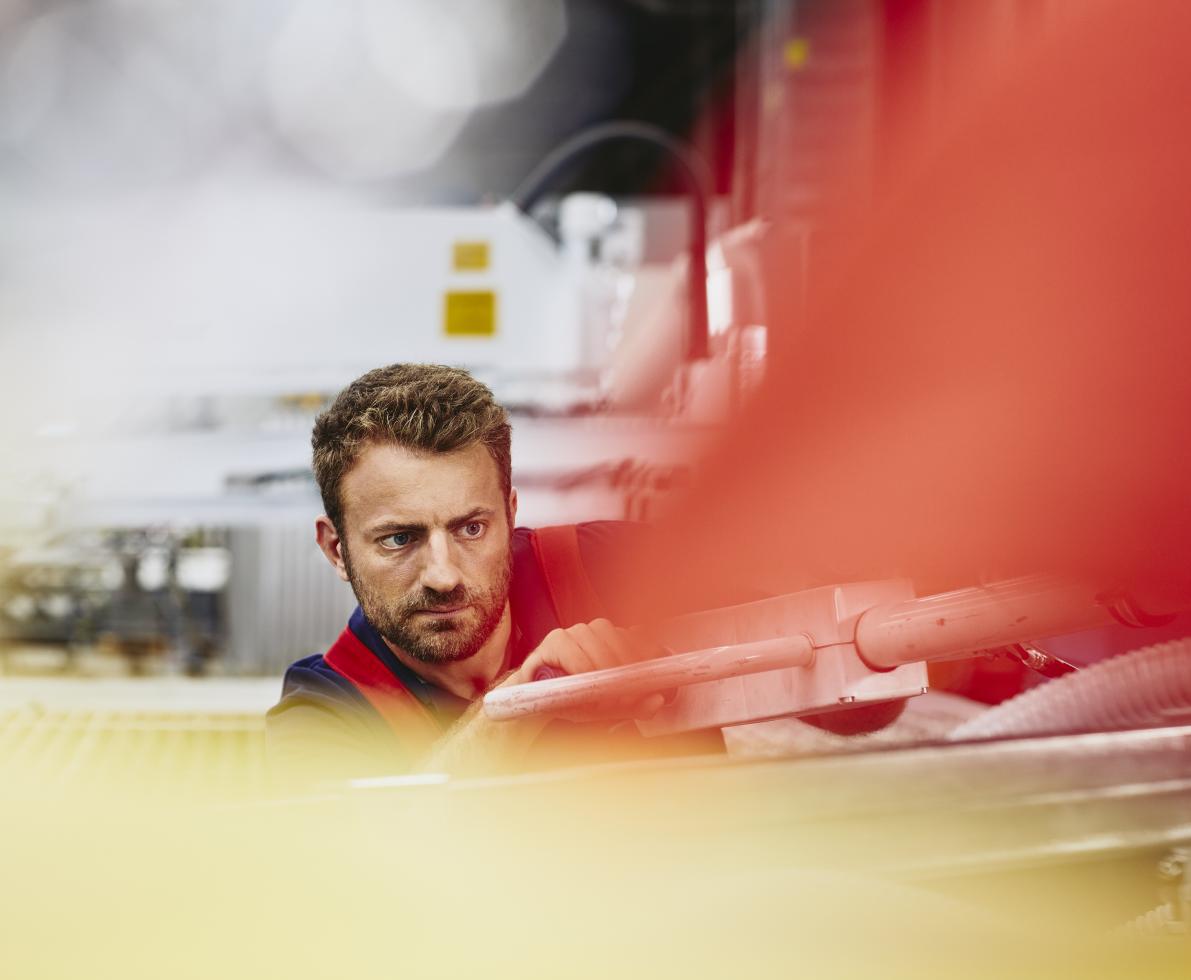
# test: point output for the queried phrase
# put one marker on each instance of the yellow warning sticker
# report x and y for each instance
(470, 314)
(470, 256)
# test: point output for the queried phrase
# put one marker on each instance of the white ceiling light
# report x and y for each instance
(462, 54)
(332, 100)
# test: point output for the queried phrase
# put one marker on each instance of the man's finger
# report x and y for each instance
(559, 649)
(617, 641)
(597, 652)
(632, 645)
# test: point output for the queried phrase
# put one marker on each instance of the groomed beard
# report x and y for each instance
(434, 641)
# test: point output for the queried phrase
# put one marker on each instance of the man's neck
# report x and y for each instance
(472, 677)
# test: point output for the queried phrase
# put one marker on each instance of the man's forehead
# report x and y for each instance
(392, 483)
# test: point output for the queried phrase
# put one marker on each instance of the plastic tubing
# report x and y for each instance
(1143, 688)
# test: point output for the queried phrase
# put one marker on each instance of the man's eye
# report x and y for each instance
(473, 529)
(398, 540)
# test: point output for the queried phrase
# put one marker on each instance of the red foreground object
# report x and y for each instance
(996, 380)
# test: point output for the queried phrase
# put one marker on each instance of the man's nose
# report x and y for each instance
(440, 573)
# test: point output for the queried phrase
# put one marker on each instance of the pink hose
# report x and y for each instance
(1139, 689)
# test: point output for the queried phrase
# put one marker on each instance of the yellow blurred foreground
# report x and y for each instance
(165, 858)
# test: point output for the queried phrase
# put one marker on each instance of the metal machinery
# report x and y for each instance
(147, 595)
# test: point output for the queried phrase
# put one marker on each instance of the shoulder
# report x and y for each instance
(313, 695)
(313, 679)
(322, 727)
(608, 551)
(609, 541)
(616, 554)
(601, 543)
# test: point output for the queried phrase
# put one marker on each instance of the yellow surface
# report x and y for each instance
(470, 313)
(153, 754)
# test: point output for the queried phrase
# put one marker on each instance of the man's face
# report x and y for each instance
(426, 547)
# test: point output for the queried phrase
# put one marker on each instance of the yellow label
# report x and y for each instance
(796, 53)
(470, 314)
(471, 256)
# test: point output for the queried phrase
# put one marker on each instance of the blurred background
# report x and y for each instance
(215, 215)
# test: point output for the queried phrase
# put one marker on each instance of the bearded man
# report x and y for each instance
(413, 463)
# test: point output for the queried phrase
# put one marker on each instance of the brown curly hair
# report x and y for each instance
(427, 407)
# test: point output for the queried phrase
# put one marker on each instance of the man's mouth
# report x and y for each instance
(442, 610)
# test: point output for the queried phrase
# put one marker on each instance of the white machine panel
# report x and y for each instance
(276, 294)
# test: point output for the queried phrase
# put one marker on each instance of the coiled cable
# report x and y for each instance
(1142, 688)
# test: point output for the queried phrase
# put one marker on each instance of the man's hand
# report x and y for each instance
(478, 744)
(585, 647)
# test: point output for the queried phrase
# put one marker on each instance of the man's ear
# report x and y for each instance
(330, 544)
(512, 508)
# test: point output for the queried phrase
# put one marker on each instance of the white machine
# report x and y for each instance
(251, 294)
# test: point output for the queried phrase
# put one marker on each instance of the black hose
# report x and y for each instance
(696, 175)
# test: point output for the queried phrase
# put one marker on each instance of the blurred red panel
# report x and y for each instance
(996, 378)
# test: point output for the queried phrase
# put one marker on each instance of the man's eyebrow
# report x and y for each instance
(396, 527)
(393, 527)
(471, 515)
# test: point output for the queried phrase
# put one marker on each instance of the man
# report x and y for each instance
(413, 464)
